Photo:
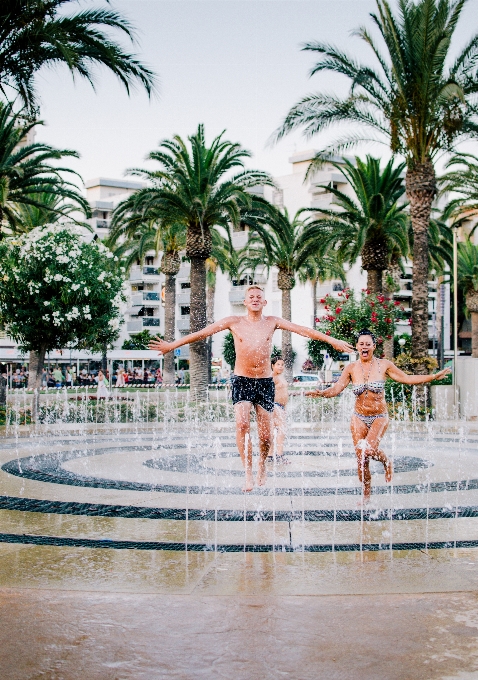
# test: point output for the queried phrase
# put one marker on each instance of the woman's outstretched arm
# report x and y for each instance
(401, 377)
(336, 388)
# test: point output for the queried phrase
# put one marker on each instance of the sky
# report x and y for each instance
(234, 65)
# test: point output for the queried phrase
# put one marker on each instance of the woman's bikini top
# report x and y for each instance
(377, 386)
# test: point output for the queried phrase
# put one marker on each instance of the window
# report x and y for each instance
(239, 227)
(278, 198)
(185, 285)
(185, 310)
(337, 285)
(149, 260)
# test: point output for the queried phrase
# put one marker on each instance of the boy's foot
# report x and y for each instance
(388, 471)
(261, 475)
(364, 502)
(249, 483)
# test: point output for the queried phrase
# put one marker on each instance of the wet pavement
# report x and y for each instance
(133, 554)
(98, 636)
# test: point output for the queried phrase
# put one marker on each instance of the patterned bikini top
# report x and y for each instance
(376, 386)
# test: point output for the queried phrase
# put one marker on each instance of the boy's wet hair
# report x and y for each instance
(252, 286)
(275, 359)
(366, 331)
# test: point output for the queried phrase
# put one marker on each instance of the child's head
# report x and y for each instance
(277, 364)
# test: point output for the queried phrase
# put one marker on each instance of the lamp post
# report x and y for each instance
(401, 342)
(455, 315)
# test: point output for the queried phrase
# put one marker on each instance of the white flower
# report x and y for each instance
(86, 291)
(46, 317)
(87, 316)
(75, 286)
(86, 309)
(114, 323)
(46, 303)
(58, 277)
(101, 276)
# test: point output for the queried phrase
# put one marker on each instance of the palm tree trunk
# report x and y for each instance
(474, 335)
(210, 298)
(314, 302)
(198, 351)
(421, 189)
(374, 280)
(169, 322)
(286, 335)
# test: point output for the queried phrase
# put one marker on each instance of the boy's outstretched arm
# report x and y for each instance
(165, 347)
(339, 345)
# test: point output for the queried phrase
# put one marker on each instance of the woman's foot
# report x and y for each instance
(388, 470)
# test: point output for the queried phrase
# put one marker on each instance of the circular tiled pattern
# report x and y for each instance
(192, 478)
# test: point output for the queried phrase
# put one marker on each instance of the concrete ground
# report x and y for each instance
(64, 635)
(95, 586)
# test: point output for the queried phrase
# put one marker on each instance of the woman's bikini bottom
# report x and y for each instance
(368, 420)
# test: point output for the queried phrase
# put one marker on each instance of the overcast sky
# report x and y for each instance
(230, 64)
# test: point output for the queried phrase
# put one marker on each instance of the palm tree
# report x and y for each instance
(278, 241)
(194, 186)
(51, 208)
(38, 34)
(411, 97)
(27, 178)
(462, 181)
(131, 240)
(372, 223)
(468, 280)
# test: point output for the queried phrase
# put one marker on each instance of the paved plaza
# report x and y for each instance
(131, 552)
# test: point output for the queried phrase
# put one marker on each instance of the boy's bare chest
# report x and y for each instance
(253, 334)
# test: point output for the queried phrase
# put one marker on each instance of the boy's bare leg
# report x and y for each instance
(264, 431)
(242, 411)
(279, 418)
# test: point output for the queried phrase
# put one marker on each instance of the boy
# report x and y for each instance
(252, 383)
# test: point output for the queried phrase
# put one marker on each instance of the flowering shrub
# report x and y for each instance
(345, 316)
(56, 290)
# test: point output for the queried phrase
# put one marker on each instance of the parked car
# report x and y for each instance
(306, 379)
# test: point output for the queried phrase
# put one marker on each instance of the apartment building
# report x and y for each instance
(294, 191)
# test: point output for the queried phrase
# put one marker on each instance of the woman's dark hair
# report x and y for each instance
(365, 331)
(275, 359)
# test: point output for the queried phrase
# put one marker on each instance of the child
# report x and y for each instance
(280, 402)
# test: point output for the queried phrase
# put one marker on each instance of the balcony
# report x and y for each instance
(140, 323)
(144, 274)
(183, 298)
(145, 299)
(236, 295)
(182, 324)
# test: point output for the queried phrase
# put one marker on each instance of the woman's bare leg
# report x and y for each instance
(373, 439)
(366, 441)
(242, 411)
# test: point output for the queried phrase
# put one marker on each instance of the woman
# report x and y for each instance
(102, 391)
(370, 417)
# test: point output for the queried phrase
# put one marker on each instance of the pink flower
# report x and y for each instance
(322, 301)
